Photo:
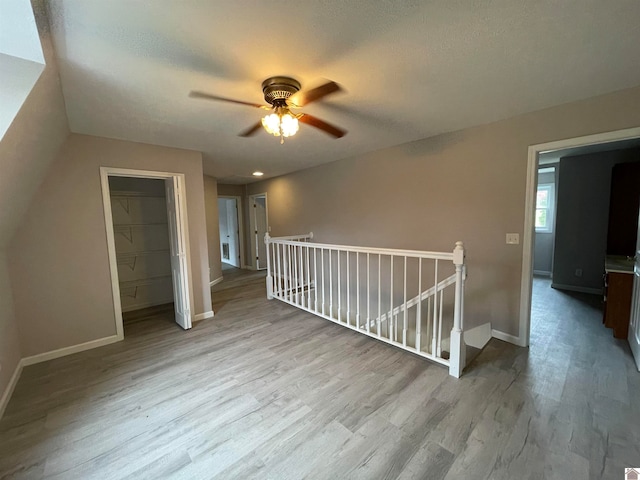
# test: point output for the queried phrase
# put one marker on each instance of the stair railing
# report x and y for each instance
(406, 298)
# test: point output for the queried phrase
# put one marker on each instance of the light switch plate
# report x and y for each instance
(513, 238)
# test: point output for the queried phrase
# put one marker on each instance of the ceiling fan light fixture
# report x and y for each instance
(281, 124)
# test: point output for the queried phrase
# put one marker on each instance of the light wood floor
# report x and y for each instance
(265, 391)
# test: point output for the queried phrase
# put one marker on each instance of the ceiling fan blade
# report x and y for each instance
(208, 96)
(301, 99)
(322, 125)
(252, 130)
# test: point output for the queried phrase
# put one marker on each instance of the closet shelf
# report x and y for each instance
(130, 259)
(120, 194)
(128, 225)
(141, 253)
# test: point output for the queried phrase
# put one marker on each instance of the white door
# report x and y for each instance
(260, 222)
(634, 325)
(234, 240)
(229, 231)
(178, 249)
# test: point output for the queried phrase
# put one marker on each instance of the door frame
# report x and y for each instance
(252, 226)
(526, 284)
(238, 200)
(105, 173)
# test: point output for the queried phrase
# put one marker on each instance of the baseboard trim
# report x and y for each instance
(573, 288)
(13, 381)
(542, 273)
(506, 337)
(216, 281)
(203, 316)
(63, 352)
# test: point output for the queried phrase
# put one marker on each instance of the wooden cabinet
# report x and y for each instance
(617, 302)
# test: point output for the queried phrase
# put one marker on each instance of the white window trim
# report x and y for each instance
(551, 209)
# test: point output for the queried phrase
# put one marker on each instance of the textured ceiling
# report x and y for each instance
(410, 68)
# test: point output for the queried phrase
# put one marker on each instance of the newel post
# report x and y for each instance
(458, 351)
(267, 237)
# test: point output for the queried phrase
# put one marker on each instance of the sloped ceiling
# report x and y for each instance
(410, 69)
(36, 132)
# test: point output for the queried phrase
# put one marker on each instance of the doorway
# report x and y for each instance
(599, 142)
(231, 234)
(147, 231)
(259, 224)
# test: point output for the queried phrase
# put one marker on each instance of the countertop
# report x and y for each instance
(618, 264)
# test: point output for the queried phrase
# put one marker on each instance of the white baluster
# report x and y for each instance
(315, 276)
(379, 295)
(368, 295)
(440, 324)
(348, 281)
(330, 284)
(404, 326)
(391, 318)
(322, 271)
(358, 290)
(339, 271)
(418, 342)
(434, 341)
(308, 279)
(301, 278)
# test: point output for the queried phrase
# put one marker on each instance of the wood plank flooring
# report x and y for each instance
(265, 391)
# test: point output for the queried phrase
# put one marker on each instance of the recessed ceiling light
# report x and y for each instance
(257, 174)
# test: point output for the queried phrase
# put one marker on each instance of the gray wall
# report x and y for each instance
(467, 185)
(543, 247)
(582, 217)
(58, 262)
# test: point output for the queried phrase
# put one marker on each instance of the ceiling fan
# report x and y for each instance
(283, 94)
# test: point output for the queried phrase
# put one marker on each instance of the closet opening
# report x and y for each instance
(147, 237)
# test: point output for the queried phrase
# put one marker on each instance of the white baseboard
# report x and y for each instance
(248, 267)
(506, 337)
(203, 316)
(573, 288)
(6, 395)
(62, 352)
(216, 281)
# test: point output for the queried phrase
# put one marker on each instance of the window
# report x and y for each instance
(544, 208)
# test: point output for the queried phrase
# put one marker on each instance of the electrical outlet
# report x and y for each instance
(578, 272)
(513, 238)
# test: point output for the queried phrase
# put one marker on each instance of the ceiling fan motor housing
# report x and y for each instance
(277, 89)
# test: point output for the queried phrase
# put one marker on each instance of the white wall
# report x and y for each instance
(58, 258)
